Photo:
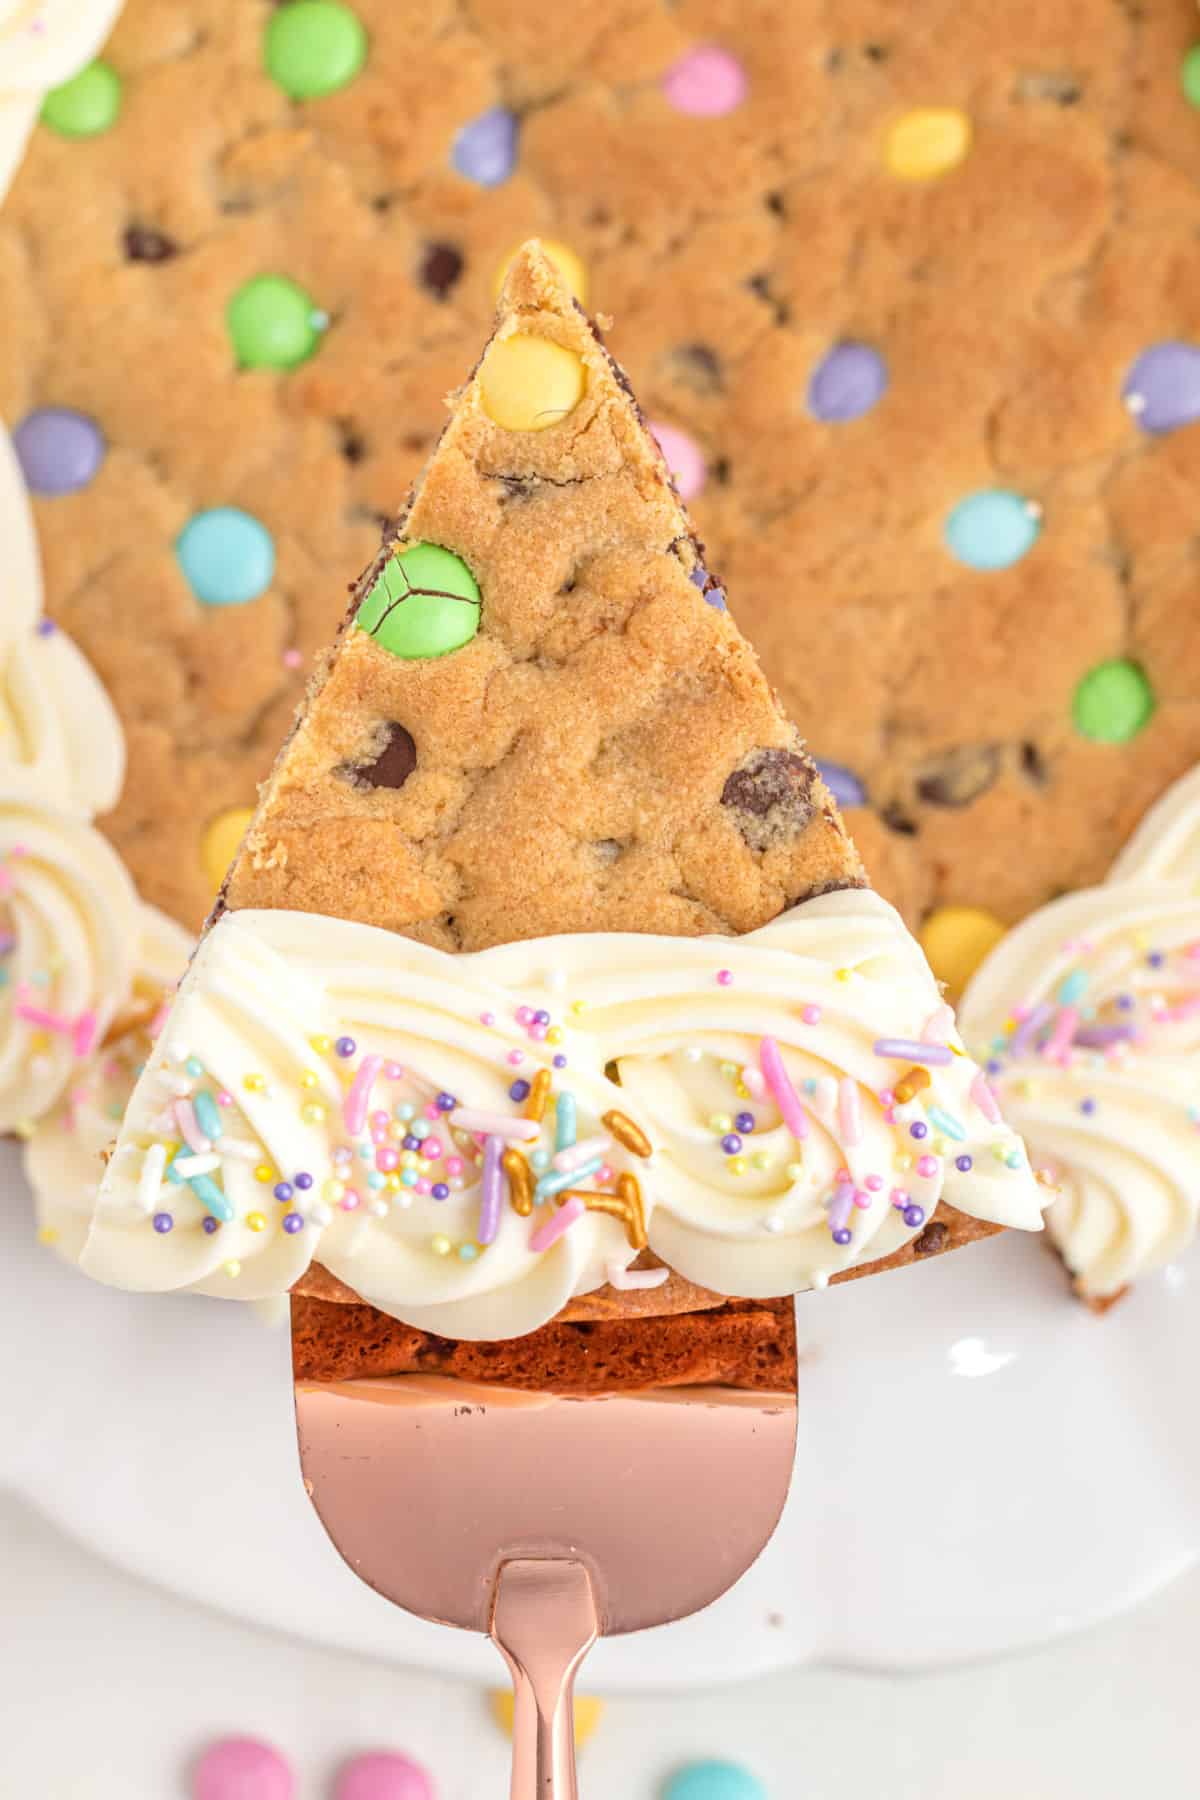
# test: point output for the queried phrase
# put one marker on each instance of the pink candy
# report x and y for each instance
(706, 82)
(685, 459)
(381, 1775)
(246, 1769)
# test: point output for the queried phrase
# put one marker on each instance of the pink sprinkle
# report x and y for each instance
(984, 1098)
(487, 1018)
(889, 1117)
(454, 1165)
(393, 1071)
(358, 1094)
(1057, 1047)
(886, 1097)
(705, 82)
(431, 1111)
(224, 1097)
(874, 1182)
(1192, 951)
(159, 1020)
(432, 1148)
(538, 1032)
(927, 1166)
(292, 659)
(110, 1068)
(380, 1119)
(514, 1059)
(350, 1200)
(938, 1026)
(38, 1015)
(777, 1079)
(524, 1015)
(724, 977)
(554, 1227)
(1183, 1009)
(753, 1082)
(849, 1110)
(488, 1124)
(861, 1199)
(185, 1117)
(811, 1014)
(87, 1029)
(841, 1175)
(899, 1196)
(423, 1186)
(387, 1160)
(605, 1175)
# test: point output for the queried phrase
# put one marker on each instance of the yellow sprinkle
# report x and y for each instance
(927, 142)
(528, 383)
(903, 1162)
(737, 1165)
(47, 1235)
(220, 840)
(254, 1084)
(588, 1713)
(761, 1160)
(720, 1123)
(794, 1171)
(39, 1042)
(408, 1159)
(233, 1269)
(24, 1128)
(333, 1190)
(554, 1035)
(321, 1044)
(579, 1006)
(938, 1146)
(842, 974)
(729, 1069)
(565, 261)
(313, 1113)
(394, 1183)
(440, 1245)
(256, 1221)
(308, 1079)
(264, 1172)
(741, 1090)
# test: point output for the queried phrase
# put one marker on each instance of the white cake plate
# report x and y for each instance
(982, 1465)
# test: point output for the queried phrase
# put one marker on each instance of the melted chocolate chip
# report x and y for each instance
(771, 794)
(440, 268)
(1033, 765)
(1062, 89)
(932, 1239)
(143, 244)
(696, 366)
(897, 820)
(959, 776)
(351, 442)
(393, 765)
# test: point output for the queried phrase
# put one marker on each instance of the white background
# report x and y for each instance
(108, 1687)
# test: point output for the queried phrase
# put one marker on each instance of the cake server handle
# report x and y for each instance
(543, 1623)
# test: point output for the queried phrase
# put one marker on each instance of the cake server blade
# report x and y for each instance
(545, 1520)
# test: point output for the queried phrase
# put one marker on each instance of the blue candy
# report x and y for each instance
(227, 556)
(714, 1781)
(992, 529)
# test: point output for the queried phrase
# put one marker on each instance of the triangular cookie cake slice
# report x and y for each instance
(509, 1010)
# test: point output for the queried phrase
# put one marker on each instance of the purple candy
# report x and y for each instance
(842, 783)
(59, 450)
(486, 149)
(382, 1775)
(1162, 390)
(848, 381)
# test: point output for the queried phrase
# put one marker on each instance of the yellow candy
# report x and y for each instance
(333, 1191)
(927, 142)
(554, 1035)
(309, 1078)
(956, 939)
(588, 1713)
(565, 261)
(218, 845)
(528, 383)
(737, 1165)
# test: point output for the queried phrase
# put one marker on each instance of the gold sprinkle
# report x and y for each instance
(520, 1182)
(625, 1204)
(912, 1083)
(539, 1093)
(627, 1133)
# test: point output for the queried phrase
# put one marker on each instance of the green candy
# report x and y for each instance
(1112, 702)
(425, 603)
(314, 47)
(1189, 76)
(273, 323)
(86, 105)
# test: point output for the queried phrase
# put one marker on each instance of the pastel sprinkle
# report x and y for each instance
(150, 1179)
(466, 1118)
(208, 1115)
(777, 1079)
(573, 1155)
(491, 1189)
(948, 1123)
(909, 1050)
(357, 1098)
(984, 1098)
(565, 1178)
(558, 1224)
(1030, 1025)
(1057, 1047)
(1073, 988)
(211, 1197)
(185, 1118)
(840, 1205)
(187, 1166)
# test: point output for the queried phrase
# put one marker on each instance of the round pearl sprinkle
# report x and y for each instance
(560, 1062)
(956, 939)
(446, 1102)
(86, 105)
(514, 1059)
(918, 1129)
(842, 1235)
(59, 450)
(425, 602)
(163, 1222)
(242, 1769)
(848, 381)
(1113, 702)
(283, 1191)
(927, 142)
(927, 1166)
(256, 1221)
(914, 1215)
(963, 1164)
(992, 529)
(899, 1197)
(731, 1143)
(744, 1122)
(842, 783)
(303, 1181)
(873, 1183)
(467, 1252)
(345, 1046)
(273, 323)
(724, 977)
(439, 1191)
(1162, 389)
(292, 1222)
(210, 1225)
(528, 383)
(519, 1091)
(383, 1775)
(227, 556)
(706, 83)
(565, 261)
(683, 456)
(487, 1018)
(485, 150)
(313, 47)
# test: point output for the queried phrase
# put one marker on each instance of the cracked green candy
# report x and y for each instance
(425, 602)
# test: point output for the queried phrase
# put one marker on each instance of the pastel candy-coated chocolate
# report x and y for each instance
(992, 529)
(383, 1775)
(528, 383)
(273, 323)
(1113, 702)
(847, 382)
(956, 939)
(59, 450)
(227, 555)
(84, 106)
(1162, 389)
(485, 150)
(569, 266)
(220, 840)
(314, 47)
(242, 1769)
(706, 82)
(588, 1713)
(927, 142)
(842, 783)
(425, 603)
(684, 457)
(714, 1781)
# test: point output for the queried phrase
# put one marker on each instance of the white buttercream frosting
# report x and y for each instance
(1090, 1013)
(42, 44)
(248, 1067)
(20, 562)
(61, 743)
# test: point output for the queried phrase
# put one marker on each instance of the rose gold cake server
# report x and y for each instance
(546, 1520)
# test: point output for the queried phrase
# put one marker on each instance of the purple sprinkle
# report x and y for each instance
(1030, 1026)
(210, 1224)
(303, 1180)
(963, 1164)
(745, 1122)
(731, 1143)
(283, 1190)
(932, 1056)
(292, 1222)
(918, 1129)
(164, 1221)
(486, 150)
(848, 381)
(59, 450)
(1156, 959)
(842, 1235)
(560, 1061)
(1162, 389)
(446, 1102)
(345, 1046)
(842, 783)
(1126, 1002)
(519, 1090)
(46, 628)
(409, 1142)
(1087, 1106)
(914, 1215)
(541, 1017)
(995, 1067)
(1095, 1037)
(440, 1191)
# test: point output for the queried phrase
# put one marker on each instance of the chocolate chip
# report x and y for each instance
(441, 266)
(607, 850)
(876, 53)
(393, 765)
(351, 442)
(761, 285)
(896, 819)
(771, 793)
(1033, 765)
(959, 776)
(695, 366)
(143, 244)
(932, 1239)
(777, 205)
(1062, 89)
